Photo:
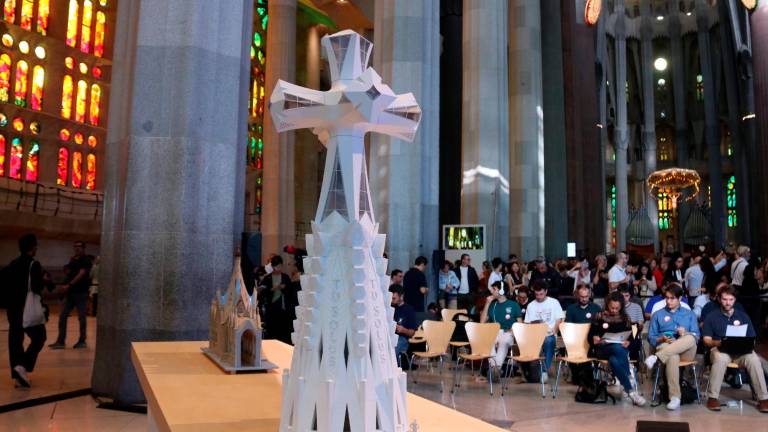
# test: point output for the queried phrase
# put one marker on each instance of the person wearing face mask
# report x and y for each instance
(498, 309)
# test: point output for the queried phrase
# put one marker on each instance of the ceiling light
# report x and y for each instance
(660, 64)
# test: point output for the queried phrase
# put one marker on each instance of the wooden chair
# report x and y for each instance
(448, 314)
(437, 335)
(482, 338)
(576, 348)
(529, 339)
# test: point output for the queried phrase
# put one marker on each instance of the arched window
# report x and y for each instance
(730, 196)
(2, 155)
(82, 90)
(90, 174)
(38, 82)
(613, 215)
(5, 77)
(20, 90)
(72, 23)
(98, 37)
(9, 11)
(62, 167)
(66, 97)
(699, 87)
(93, 114)
(85, 29)
(27, 10)
(17, 154)
(43, 9)
(665, 206)
(32, 155)
(77, 169)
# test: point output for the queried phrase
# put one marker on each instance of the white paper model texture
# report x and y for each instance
(344, 375)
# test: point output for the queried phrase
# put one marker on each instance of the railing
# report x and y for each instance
(50, 200)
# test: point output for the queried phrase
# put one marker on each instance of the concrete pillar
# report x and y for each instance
(526, 131)
(621, 131)
(278, 215)
(603, 67)
(677, 61)
(759, 28)
(174, 187)
(649, 115)
(404, 176)
(313, 58)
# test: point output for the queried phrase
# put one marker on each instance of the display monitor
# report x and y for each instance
(463, 237)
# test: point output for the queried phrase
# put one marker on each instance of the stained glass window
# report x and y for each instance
(257, 98)
(66, 97)
(72, 23)
(85, 30)
(9, 11)
(27, 10)
(665, 207)
(43, 10)
(2, 155)
(699, 88)
(17, 154)
(5, 77)
(613, 215)
(20, 90)
(82, 91)
(77, 169)
(90, 172)
(93, 114)
(98, 38)
(31, 173)
(62, 167)
(38, 82)
(730, 196)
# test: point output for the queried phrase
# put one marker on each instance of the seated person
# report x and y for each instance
(714, 331)
(656, 302)
(714, 305)
(545, 310)
(498, 309)
(583, 311)
(614, 319)
(523, 299)
(405, 317)
(635, 313)
(704, 298)
(674, 333)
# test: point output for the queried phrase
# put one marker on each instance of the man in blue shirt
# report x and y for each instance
(715, 329)
(674, 332)
(405, 317)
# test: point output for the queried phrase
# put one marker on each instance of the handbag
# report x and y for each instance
(33, 305)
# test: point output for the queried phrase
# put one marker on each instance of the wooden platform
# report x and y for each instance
(188, 392)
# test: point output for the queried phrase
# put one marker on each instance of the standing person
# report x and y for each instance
(449, 286)
(514, 279)
(545, 310)
(581, 275)
(694, 278)
(415, 284)
(468, 282)
(405, 319)
(647, 281)
(497, 273)
(22, 274)
(396, 277)
(675, 272)
(498, 309)
(600, 279)
(546, 273)
(276, 294)
(93, 290)
(739, 265)
(618, 276)
(76, 289)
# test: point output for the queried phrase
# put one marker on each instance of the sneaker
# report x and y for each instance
(20, 375)
(57, 346)
(713, 404)
(674, 403)
(636, 398)
(80, 345)
(650, 361)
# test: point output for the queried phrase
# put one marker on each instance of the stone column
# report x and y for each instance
(526, 130)
(621, 132)
(313, 58)
(677, 62)
(278, 216)
(174, 188)
(711, 125)
(649, 115)
(759, 27)
(404, 176)
(603, 66)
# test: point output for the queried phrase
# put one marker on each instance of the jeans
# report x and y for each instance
(74, 300)
(548, 350)
(401, 348)
(16, 352)
(618, 358)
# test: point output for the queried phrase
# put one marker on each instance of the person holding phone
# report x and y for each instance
(499, 309)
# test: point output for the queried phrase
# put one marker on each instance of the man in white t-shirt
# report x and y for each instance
(617, 275)
(497, 264)
(738, 266)
(546, 310)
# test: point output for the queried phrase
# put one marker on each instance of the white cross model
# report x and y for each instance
(344, 374)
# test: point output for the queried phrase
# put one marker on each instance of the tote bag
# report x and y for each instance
(33, 306)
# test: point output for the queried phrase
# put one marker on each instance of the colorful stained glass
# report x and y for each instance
(257, 39)
(64, 134)
(5, 77)
(83, 68)
(34, 127)
(22, 77)
(38, 82)
(43, 10)
(9, 11)
(7, 40)
(2, 155)
(3, 120)
(90, 172)
(17, 154)
(96, 72)
(79, 139)
(85, 29)
(69, 63)
(72, 23)
(31, 173)
(24, 47)
(62, 167)
(98, 38)
(730, 196)
(93, 113)
(18, 124)
(92, 141)
(255, 98)
(66, 97)
(27, 10)
(82, 91)
(77, 169)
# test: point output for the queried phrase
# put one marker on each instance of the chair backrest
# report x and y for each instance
(419, 333)
(529, 338)
(482, 337)
(438, 335)
(448, 314)
(575, 339)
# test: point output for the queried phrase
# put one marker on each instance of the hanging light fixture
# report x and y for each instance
(749, 4)
(674, 181)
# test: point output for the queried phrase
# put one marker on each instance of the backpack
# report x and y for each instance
(459, 332)
(687, 393)
(594, 392)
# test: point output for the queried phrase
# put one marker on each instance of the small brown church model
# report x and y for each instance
(235, 328)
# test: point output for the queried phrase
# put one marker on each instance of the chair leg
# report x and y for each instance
(656, 382)
(557, 380)
(490, 373)
(696, 383)
(413, 372)
(441, 374)
(541, 378)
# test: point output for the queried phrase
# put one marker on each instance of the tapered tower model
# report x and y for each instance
(344, 375)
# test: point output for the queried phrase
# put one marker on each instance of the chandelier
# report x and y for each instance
(674, 182)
